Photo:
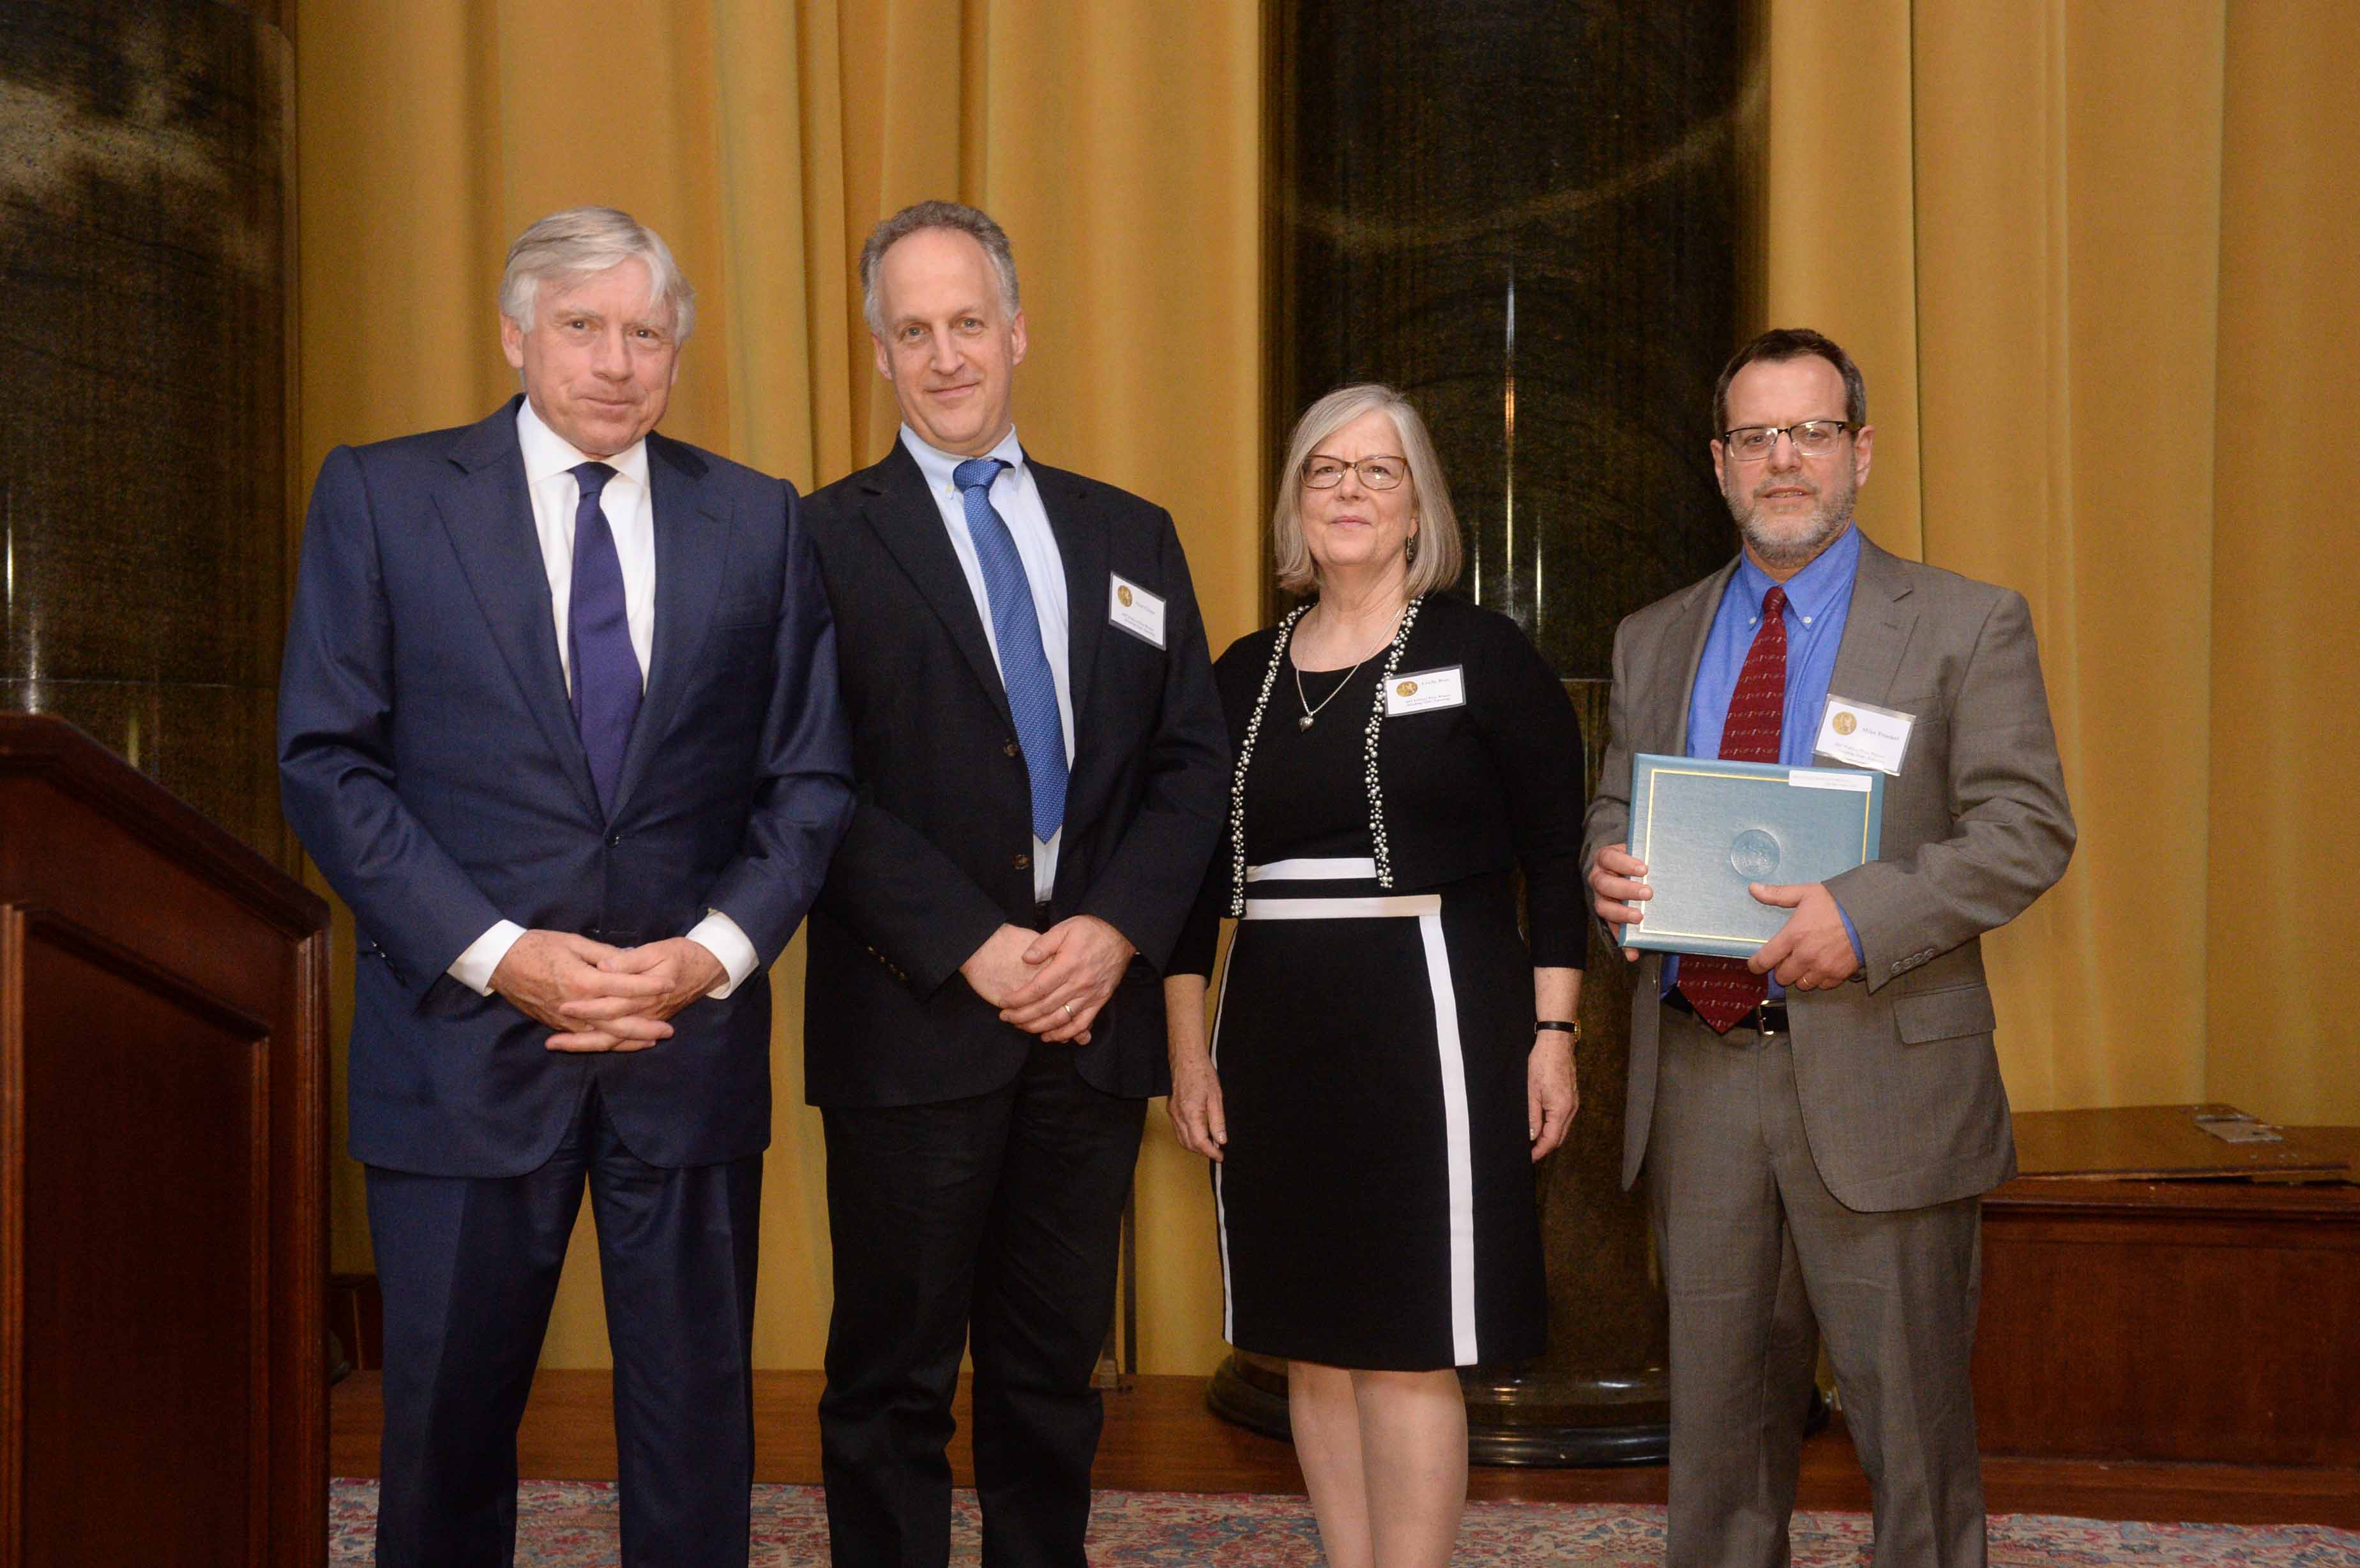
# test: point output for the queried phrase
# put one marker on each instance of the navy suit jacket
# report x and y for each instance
(429, 762)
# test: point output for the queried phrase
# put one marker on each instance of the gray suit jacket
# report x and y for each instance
(1900, 1088)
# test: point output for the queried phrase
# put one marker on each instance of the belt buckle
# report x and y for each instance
(1762, 1021)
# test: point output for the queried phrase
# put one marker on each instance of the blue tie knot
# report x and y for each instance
(593, 477)
(977, 472)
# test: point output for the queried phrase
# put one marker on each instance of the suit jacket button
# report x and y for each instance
(1024, 863)
(614, 841)
(1009, 750)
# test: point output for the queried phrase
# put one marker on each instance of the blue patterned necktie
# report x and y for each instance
(607, 679)
(1023, 667)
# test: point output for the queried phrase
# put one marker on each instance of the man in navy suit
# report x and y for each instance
(560, 721)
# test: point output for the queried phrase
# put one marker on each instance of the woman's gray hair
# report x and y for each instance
(1437, 552)
(583, 241)
(972, 222)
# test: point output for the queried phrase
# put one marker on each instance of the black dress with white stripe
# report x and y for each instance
(1376, 1201)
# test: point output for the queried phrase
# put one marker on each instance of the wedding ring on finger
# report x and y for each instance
(1069, 1010)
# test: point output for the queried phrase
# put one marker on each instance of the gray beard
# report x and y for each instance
(1825, 525)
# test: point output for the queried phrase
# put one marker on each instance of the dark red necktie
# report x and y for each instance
(1723, 990)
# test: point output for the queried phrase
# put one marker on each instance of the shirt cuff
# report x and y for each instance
(719, 935)
(1858, 956)
(474, 967)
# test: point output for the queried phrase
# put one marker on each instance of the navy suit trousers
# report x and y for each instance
(469, 1269)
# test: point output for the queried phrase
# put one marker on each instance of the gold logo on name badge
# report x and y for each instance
(1407, 689)
(1123, 593)
(1846, 724)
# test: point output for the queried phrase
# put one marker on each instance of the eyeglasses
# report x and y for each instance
(1812, 438)
(1376, 472)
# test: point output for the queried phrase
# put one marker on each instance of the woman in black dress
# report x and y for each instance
(1390, 1052)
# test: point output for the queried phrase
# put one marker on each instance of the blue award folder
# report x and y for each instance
(1705, 828)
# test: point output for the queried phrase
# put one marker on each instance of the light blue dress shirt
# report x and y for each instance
(1017, 499)
(1818, 602)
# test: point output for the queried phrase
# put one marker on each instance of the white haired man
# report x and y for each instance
(559, 720)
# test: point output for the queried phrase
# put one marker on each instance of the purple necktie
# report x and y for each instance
(607, 679)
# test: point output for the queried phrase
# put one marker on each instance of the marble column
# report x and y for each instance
(146, 299)
(1535, 218)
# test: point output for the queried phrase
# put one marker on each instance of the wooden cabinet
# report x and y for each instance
(2210, 1321)
(163, 1248)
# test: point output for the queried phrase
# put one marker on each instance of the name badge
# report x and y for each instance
(1863, 735)
(1445, 687)
(1136, 611)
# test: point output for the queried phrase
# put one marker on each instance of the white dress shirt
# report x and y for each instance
(630, 513)
(1018, 501)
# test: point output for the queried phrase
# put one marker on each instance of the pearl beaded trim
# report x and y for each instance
(1376, 726)
(1368, 751)
(1245, 760)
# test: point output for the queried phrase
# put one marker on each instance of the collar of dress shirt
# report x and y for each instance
(547, 453)
(937, 464)
(1810, 591)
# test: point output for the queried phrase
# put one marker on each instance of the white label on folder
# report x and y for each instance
(1817, 778)
(1425, 689)
(1863, 735)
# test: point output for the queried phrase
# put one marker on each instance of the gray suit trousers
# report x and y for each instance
(1759, 1261)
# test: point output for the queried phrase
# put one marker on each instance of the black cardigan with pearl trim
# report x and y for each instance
(1492, 784)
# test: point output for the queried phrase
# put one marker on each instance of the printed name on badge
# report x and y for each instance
(1135, 609)
(1445, 687)
(1863, 735)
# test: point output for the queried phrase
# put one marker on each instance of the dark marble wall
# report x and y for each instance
(145, 288)
(1536, 218)
(1529, 216)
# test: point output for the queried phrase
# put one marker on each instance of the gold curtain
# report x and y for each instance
(1118, 142)
(2092, 253)
(2094, 258)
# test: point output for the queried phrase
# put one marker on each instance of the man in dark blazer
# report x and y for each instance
(1816, 1124)
(1041, 766)
(559, 720)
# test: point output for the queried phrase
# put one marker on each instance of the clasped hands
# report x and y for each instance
(1812, 951)
(599, 998)
(1051, 982)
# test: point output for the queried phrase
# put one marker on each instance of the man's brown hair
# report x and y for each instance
(1780, 344)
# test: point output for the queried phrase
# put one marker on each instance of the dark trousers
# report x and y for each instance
(1001, 1214)
(1760, 1261)
(469, 1267)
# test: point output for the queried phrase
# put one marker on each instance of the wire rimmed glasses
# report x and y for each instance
(1812, 438)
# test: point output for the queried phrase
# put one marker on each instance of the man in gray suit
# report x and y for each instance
(1817, 1123)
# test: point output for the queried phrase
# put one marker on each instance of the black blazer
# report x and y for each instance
(1492, 785)
(937, 858)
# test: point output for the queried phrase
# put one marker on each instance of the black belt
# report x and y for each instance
(1766, 1018)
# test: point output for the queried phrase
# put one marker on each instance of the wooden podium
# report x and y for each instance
(163, 1247)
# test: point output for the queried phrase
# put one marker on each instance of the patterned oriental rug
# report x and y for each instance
(572, 1524)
